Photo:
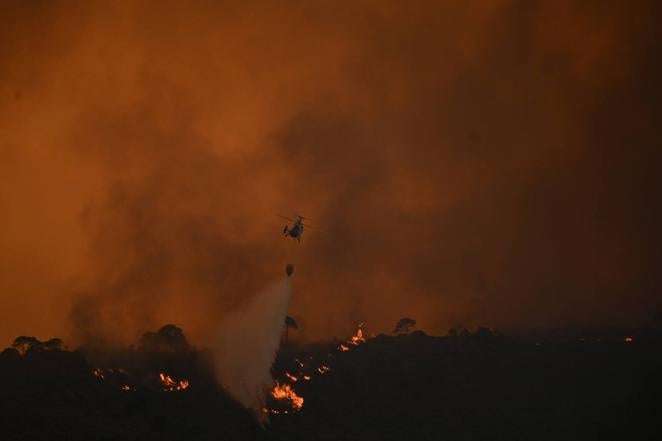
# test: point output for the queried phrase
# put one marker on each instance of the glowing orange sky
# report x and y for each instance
(487, 162)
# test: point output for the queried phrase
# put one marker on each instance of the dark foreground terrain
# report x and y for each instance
(406, 387)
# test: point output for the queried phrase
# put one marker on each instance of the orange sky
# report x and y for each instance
(485, 162)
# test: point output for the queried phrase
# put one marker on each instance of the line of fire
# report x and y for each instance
(168, 382)
(172, 385)
(283, 396)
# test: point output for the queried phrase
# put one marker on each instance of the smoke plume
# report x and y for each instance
(247, 343)
(486, 162)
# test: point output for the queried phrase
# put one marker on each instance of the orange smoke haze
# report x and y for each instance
(473, 162)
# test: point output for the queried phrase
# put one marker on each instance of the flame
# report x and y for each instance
(354, 340)
(170, 385)
(285, 392)
(358, 338)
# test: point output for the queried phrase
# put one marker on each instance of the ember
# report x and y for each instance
(343, 348)
(171, 385)
(291, 377)
(323, 369)
(628, 339)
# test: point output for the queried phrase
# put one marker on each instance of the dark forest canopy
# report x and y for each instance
(407, 386)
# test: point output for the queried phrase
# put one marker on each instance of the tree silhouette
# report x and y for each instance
(289, 323)
(484, 333)
(404, 325)
(169, 338)
(24, 344)
(53, 344)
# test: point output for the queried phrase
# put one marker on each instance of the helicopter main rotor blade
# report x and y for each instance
(315, 229)
(286, 218)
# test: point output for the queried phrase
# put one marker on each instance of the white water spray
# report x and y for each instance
(247, 344)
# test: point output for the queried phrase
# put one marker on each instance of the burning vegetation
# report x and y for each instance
(131, 382)
(170, 394)
(147, 368)
(285, 392)
(170, 385)
(358, 338)
(284, 399)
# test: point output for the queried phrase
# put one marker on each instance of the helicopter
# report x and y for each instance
(296, 230)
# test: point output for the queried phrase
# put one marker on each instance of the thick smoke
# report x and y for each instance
(476, 162)
(247, 343)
